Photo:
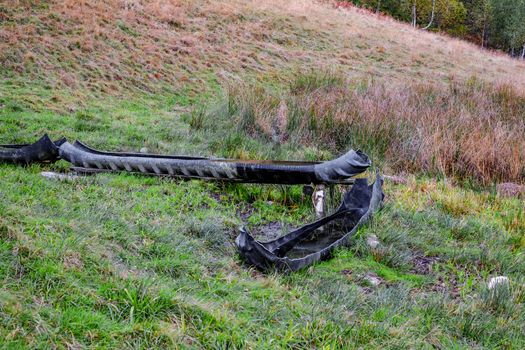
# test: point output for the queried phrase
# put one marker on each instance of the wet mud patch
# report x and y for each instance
(269, 231)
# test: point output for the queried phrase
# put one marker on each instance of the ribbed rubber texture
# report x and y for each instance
(339, 170)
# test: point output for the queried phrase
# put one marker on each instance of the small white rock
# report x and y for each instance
(499, 282)
(374, 281)
(144, 150)
(372, 241)
(57, 176)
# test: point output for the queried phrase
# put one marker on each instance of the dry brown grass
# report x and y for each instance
(466, 130)
(114, 46)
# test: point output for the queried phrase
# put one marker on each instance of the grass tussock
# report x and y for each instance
(466, 130)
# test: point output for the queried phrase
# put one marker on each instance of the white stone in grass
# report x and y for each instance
(499, 282)
(57, 176)
(372, 241)
(144, 150)
(372, 280)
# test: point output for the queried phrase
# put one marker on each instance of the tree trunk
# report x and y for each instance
(432, 16)
(414, 15)
(378, 8)
(483, 33)
(523, 53)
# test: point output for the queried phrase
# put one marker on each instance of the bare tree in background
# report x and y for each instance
(432, 16)
(414, 14)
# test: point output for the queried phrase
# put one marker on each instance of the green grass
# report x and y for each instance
(121, 261)
(118, 261)
(124, 261)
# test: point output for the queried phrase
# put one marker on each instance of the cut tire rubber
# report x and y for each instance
(42, 151)
(315, 241)
(339, 170)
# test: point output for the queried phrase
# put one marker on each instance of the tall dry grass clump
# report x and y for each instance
(467, 130)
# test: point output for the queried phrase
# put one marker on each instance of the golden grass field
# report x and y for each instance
(112, 45)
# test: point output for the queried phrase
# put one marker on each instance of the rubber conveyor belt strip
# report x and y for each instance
(86, 159)
(315, 241)
(339, 170)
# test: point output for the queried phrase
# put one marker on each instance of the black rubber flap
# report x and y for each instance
(315, 241)
(42, 151)
(339, 170)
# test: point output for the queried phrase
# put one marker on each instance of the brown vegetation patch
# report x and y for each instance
(466, 130)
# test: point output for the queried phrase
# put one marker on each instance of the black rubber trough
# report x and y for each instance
(340, 170)
(315, 241)
(42, 151)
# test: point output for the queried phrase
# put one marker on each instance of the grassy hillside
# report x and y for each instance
(112, 47)
(120, 261)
